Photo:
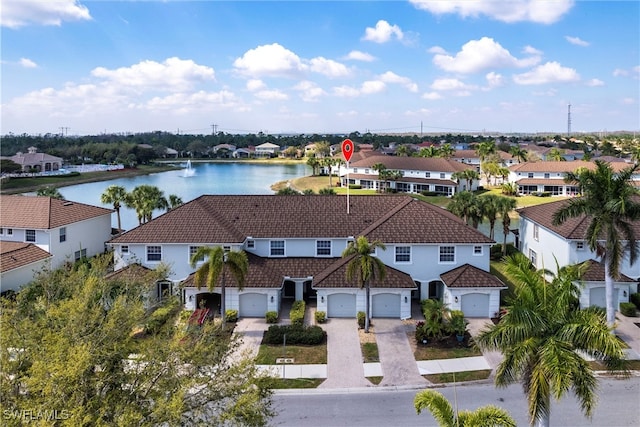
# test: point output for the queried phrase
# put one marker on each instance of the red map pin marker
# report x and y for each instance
(347, 149)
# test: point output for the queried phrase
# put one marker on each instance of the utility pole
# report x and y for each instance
(569, 120)
(64, 130)
(214, 129)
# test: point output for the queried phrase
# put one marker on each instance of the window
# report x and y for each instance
(226, 249)
(442, 175)
(9, 231)
(78, 255)
(477, 250)
(547, 176)
(447, 254)
(277, 248)
(154, 253)
(251, 244)
(533, 256)
(63, 234)
(580, 246)
(1, 231)
(192, 252)
(536, 232)
(323, 248)
(427, 174)
(366, 171)
(124, 249)
(403, 253)
(530, 175)
(355, 170)
(30, 235)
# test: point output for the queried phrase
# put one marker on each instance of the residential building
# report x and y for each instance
(65, 229)
(267, 149)
(471, 157)
(294, 246)
(548, 246)
(419, 174)
(19, 262)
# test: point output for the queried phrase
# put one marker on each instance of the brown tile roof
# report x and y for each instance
(595, 273)
(335, 277)
(561, 167)
(231, 219)
(434, 164)
(468, 276)
(18, 254)
(44, 212)
(132, 272)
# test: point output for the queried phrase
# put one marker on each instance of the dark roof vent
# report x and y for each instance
(67, 204)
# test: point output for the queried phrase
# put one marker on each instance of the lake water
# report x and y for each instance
(204, 178)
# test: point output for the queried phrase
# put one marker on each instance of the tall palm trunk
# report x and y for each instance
(608, 292)
(366, 307)
(542, 419)
(223, 310)
(119, 220)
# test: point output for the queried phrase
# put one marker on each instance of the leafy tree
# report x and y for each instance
(469, 175)
(50, 191)
(484, 149)
(404, 150)
(327, 191)
(446, 151)
(115, 195)
(9, 166)
(382, 174)
(287, 191)
(445, 416)
(542, 336)
(364, 267)
(609, 200)
(519, 153)
(213, 271)
(556, 155)
(314, 164)
(68, 343)
(429, 151)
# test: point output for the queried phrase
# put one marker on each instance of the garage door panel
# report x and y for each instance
(341, 305)
(475, 305)
(385, 305)
(598, 297)
(253, 305)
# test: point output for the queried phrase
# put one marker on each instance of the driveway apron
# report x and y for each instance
(399, 365)
(250, 331)
(345, 368)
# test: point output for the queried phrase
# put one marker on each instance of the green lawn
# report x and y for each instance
(302, 354)
(433, 351)
(451, 377)
(280, 383)
(370, 352)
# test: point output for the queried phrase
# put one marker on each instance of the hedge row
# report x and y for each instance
(296, 334)
(628, 309)
(297, 313)
(161, 315)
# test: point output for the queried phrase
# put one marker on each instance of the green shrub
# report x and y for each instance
(457, 324)
(185, 315)
(271, 317)
(421, 332)
(297, 313)
(355, 186)
(429, 193)
(361, 316)
(628, 309)
(161, 315)
(321, 317)
(231, 315)
(296, 335)
(635, 298)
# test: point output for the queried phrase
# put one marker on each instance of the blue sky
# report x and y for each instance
(319, 67)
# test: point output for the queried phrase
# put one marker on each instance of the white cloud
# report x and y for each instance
(551, 72)
(184, 103)
(618, 72)
(628, 101)
(595, 82)
(357, 55)
(27, 63)
(451, 84)
(437, 49)
(543, 12)
(269, 60)
(391, 77)
(372, 86)
(19, 13)
(634, 72)
(477, 55)
(383, 32)
(174, 75)
(309, 91)
(329, 67)
(271, 95)
(346, 92)
(255, 84)
(431, 96)
(577, 41)
(494, 80)
(419, 112)
(530, 50)
(550, 92)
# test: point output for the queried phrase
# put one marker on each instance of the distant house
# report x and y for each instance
(267, 149)
(430, 253)
(419, 174)
(19, 262)
(33, 161)
(470, 157)
(243, 153)
(65, 229)
(224, 150)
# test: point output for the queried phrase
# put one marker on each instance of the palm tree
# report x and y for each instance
(145, 199)
(542, 336)
(329, 162)
(556, 155)
(463, 204)
(116, 195)
(485, 148)
(506, 205)
(173, 202)
(50, 191)
(381, 169)
(365, 267)
(446, 151)
(609, 203)
(443, 412)
(429, 151)
(314, 164)
(214, 270)
(491, 205)
(519, 153)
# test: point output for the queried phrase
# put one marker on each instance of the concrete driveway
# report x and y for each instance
(474, 327)
(396, 357)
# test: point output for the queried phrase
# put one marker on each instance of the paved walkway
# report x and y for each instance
(396, 357)
(630, 333)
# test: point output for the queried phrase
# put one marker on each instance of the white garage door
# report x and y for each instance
(341, 305)
(253, 305)
(386, 305)
(475, 305)
(597, 297)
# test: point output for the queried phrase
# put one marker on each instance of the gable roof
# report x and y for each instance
(44, 212)
(562, 167)
(435, 164)
(335, 277)
(215, 219)
(18, 254)
(468, 276)
(595, 273)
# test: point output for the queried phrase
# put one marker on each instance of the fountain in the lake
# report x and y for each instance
(189, 171)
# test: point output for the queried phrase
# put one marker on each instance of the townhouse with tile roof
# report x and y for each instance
(67, 230)
(429, 174)
(470, 157)
(19, 262)
(548, 176)
(294, 246)
(545, 244)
